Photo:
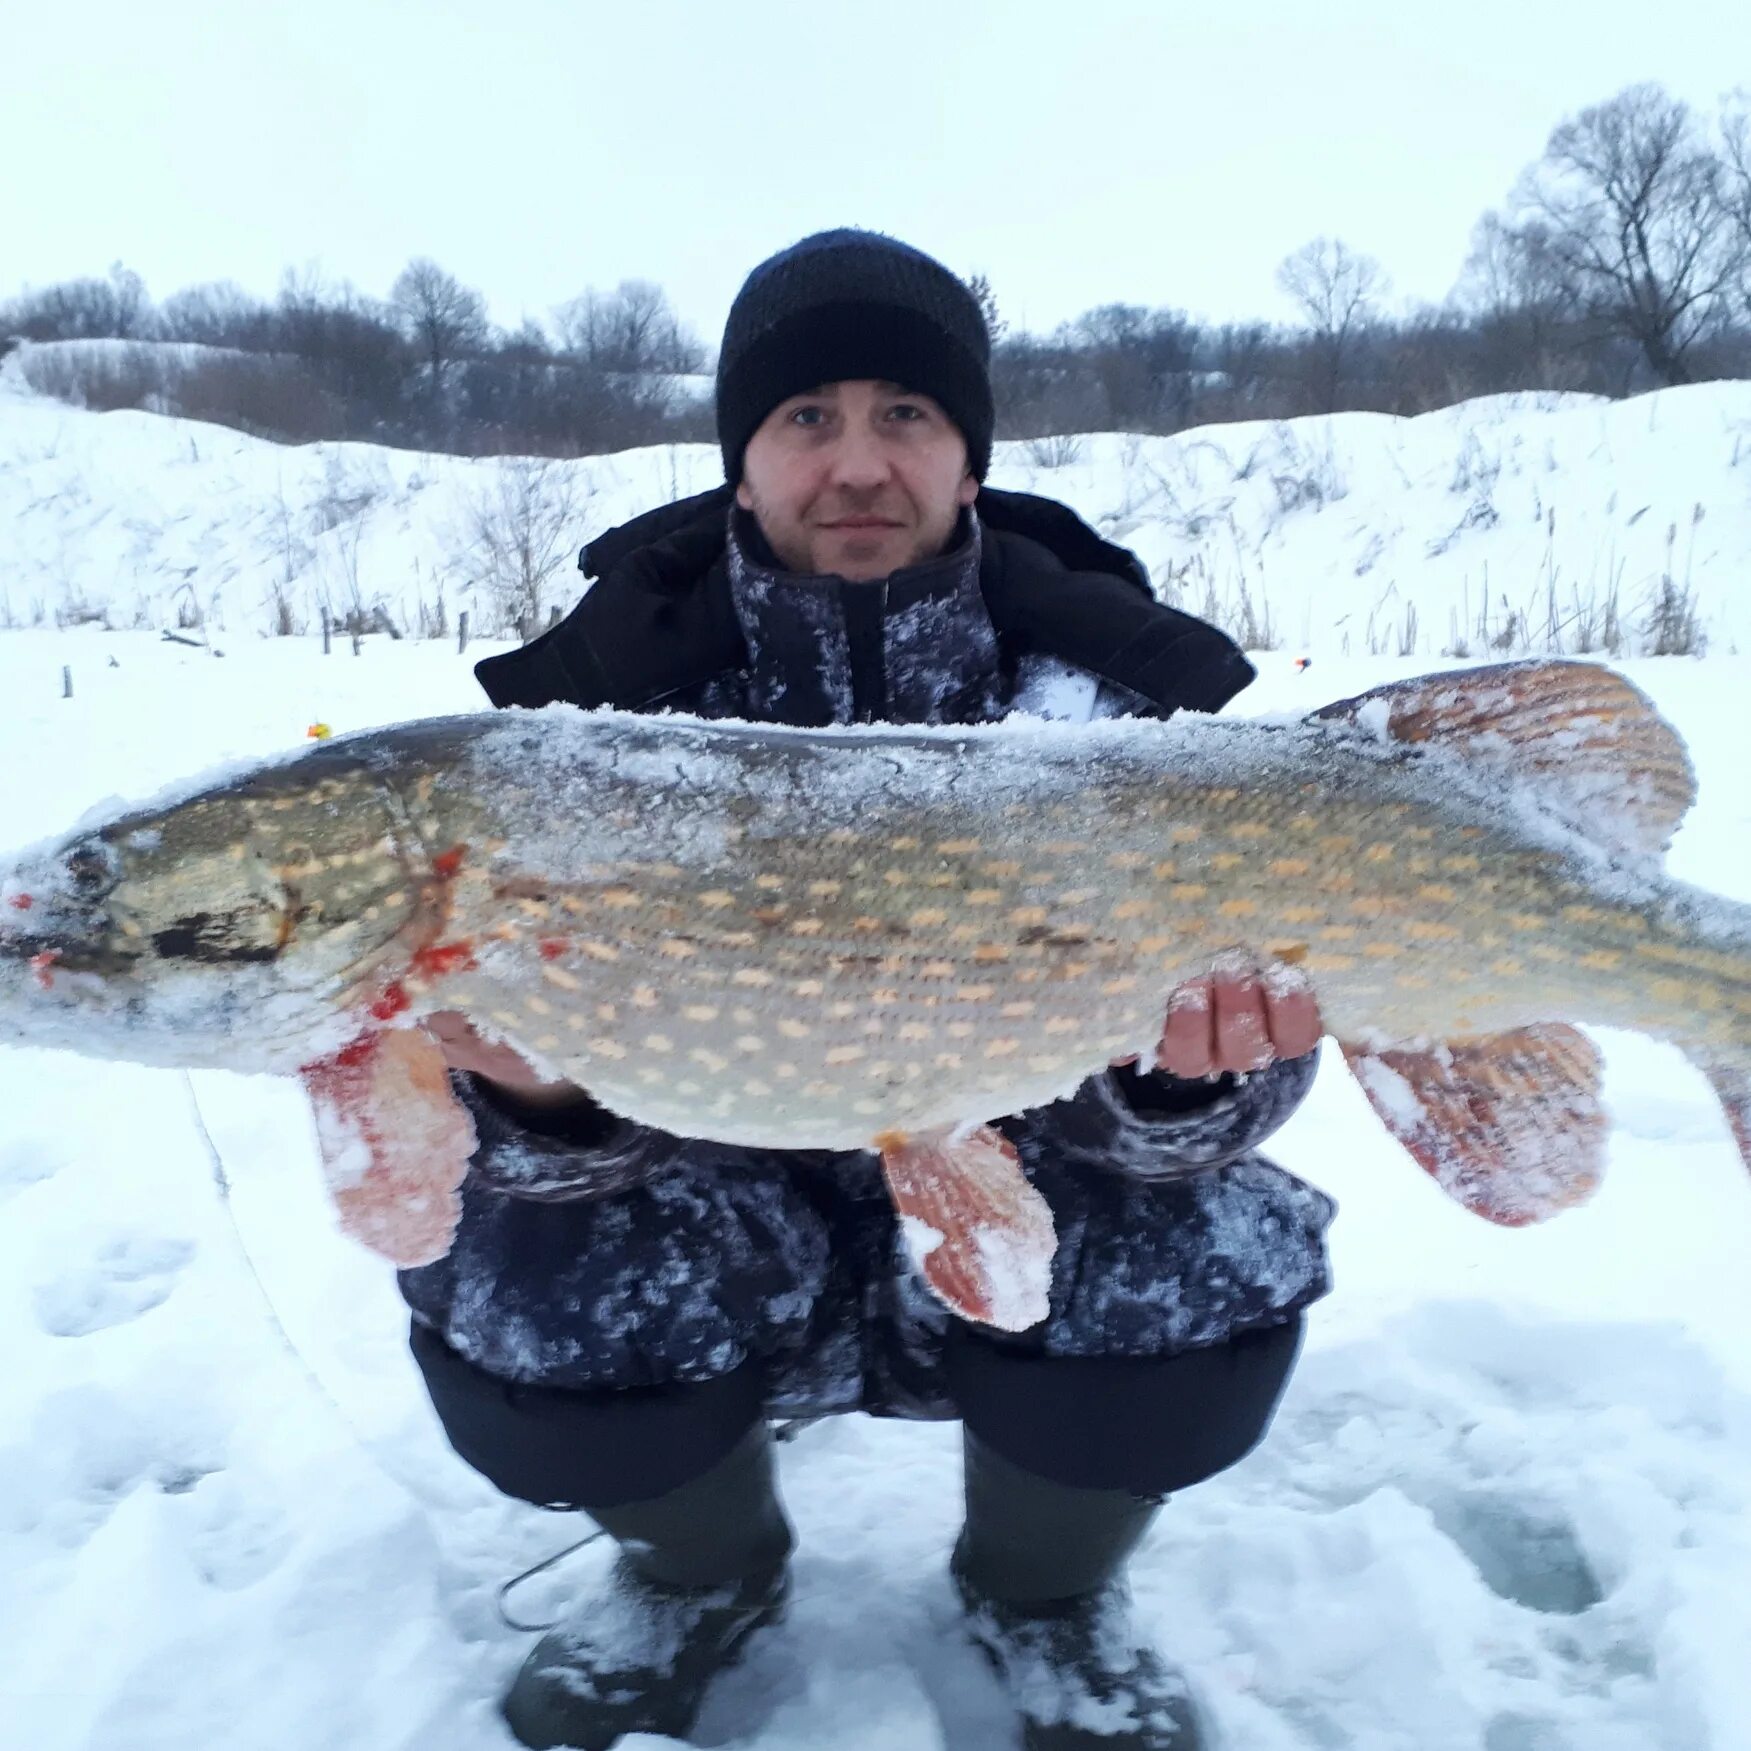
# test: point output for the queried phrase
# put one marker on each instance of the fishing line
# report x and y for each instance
(223, 1182)
(784, 1431)
(502, 1597)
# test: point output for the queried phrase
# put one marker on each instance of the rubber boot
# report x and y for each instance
(699, 1570)
(1038, 1569)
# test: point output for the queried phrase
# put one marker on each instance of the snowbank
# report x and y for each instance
(1500, 526)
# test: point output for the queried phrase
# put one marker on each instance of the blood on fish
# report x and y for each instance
(349, 1057)
(446, 863)
(444, 957)
(552, 947)
(40, 965)
(392, 1003)
(22, 902)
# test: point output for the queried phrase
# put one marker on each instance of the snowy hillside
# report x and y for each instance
(1505, 525)
(1506, 1506)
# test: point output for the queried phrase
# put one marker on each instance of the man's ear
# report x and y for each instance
(744, 498)
(968, 490)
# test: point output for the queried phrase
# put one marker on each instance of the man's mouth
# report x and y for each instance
(862, 523)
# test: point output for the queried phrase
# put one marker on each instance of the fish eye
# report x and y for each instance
(89, 870)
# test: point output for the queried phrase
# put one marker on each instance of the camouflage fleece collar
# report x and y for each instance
(915, 647)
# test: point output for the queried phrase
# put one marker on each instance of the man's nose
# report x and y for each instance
(859, 459)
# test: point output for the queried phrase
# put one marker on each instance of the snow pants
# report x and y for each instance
(1150, 1426)
(599, 1350)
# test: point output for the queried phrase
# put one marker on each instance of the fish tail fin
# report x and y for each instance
(1723, 1052)
(1730, 1078)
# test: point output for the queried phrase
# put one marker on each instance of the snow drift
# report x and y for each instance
(1508, 525)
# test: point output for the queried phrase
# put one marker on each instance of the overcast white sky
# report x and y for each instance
(1077, 151)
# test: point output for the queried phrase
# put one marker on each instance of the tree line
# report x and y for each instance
(422, 368)
(1620, 262)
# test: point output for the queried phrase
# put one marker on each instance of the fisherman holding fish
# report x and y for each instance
(700, 1073)
(623, 1310)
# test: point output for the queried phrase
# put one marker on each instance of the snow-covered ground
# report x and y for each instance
(1500, 526)
(1506, 1507)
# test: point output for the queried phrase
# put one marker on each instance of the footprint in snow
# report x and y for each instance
(126, 1277)
(233, 1537)
(1523, 1552)
(88, 1449)
(27, 1161)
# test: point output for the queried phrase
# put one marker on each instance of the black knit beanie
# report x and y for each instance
(852, 304)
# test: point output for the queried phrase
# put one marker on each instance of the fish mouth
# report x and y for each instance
(61, 951)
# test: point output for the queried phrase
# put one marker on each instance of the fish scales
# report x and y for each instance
(789, 938)
(882, 938)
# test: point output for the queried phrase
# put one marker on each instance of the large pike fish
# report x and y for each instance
(883, 938)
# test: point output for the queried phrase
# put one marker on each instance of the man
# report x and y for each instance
(623, 1310)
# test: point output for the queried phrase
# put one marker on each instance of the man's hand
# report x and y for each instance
(1239, 1017)
(466, 1049)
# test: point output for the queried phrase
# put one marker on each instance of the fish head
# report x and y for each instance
(235, 925)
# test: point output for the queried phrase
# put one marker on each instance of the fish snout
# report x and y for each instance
(54, 910)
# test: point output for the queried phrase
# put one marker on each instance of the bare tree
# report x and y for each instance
(132, 308)
(1245, 360)
(1531, 326)
(1736, 191)
(441, 316)
(115, 308)
(1338, 291)
(995, 326)
(630, 330)
(1143, 360)
(217, 314)
(1631, 204)
(521, 529)
(350, 344)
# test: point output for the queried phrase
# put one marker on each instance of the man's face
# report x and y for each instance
(858, 479)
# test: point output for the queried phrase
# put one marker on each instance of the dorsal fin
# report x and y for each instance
(1578, 732)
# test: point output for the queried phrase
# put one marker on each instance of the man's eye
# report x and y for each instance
(808, 416)
(907, 410)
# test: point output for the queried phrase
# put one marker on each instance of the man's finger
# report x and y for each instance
(1187, 1040)
(1292, 1013)
(1243, 1039)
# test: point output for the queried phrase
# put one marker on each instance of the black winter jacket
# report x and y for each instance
(596, 1252)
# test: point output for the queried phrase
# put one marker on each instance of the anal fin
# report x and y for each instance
(1509, 1125)
(978, 1230)
(394, 1141)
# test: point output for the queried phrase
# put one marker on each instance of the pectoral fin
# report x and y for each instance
(980, 1233)
(1509, 1125)
(394, 1142)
